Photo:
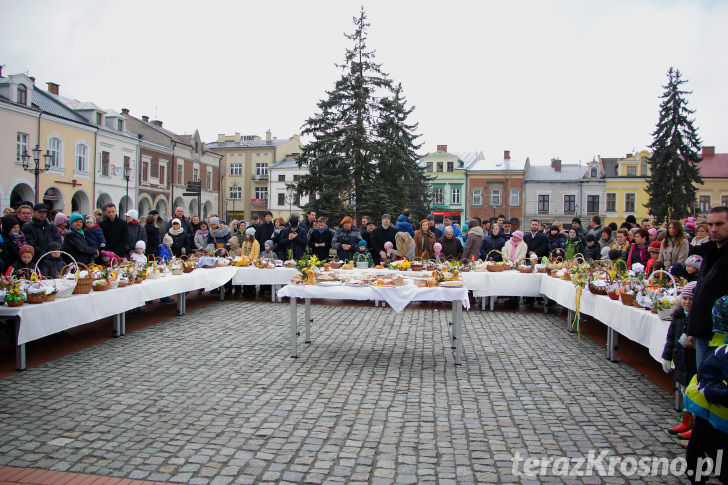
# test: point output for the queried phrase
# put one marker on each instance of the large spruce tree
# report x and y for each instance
(362, 155)
(675, 155)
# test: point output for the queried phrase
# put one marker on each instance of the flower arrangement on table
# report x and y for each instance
(13, 295)
(403, 265)
(307, 267)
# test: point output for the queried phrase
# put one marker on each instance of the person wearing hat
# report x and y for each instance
(556, 242)
(178, 237)
(431, 220)
(362, 254)
(251, 246)
(682, 358)
(139, 253)
(116, 232)
(219, 235)
(605, 238)
(576, 225)
(268, 250)
(52, 264)
(61, 222)
(492, 245)
(203, 231)
(346, 239)
(76, 243)
(135, 231)
(292, 240)
(592, 251)
(516, 248)
(165, 249)
(385, 233)
(25, 264)
(692, 267)
(367, 235)
(94, 234)
(13, 240)
(265, 228)
(39, 233)
(320, 239)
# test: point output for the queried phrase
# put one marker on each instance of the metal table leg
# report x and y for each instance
(569, 321)
(273, 292)
(222, 293)
(483, 302)
(119, 324)
(612, 345)
(457, 315)
(181, 303)
(294, 348)
(492, 302)
(309, 320)
(545, 305)
(19, 349)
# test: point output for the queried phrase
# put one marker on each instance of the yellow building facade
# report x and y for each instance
(625, 184)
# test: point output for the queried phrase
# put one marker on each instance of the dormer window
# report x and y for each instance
(22, 94)
(593, 173)
(99, 118)
(120, 125)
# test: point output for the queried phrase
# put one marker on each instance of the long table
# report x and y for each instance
(33, 322)
(397, 297)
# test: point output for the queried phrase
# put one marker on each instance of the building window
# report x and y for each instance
(162, 180)
(236, 192)
(297, 199)
(592, 204)
(281, 198)
(261, 193)
(22, 94)
(593, 172)
(236, 168)
(629, 201)
(440, 166)
(704, 203)
(105, 162)
(296, 178)
(450, 166)
(724, 200)
(611, 202)
(455, 196)
(22, 146)
(261, 169)
(179, 173)
(495, 197)
(81, 158)
(145, 171)
(195, 174)
(515, 198)
(99, 119)
(643, 166)
(438, 199)
(631, 171)
(569, 204)
(282, 177)
(429, 166)
(55, 148)
(477, 197)
(120, 125)
(208, 182)
(543, 204)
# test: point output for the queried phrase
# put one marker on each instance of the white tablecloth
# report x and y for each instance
(504, 283)
(255, 276)
(397, 297)
(37, 321)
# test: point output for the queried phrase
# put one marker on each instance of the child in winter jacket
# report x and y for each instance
(363, 255)
(139, 256)
(268, 250)
(24, 266)
(51, 265)
(707, 399)
(94, 234)
(679, 353)
(165, 249)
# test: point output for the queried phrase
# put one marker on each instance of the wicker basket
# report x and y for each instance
(665, 314)
(103, 287)
(612, 295)
(525, 269)
(493, 266)
(417, 264)
(36, 299)
(627, 299)
(594, 289)
(332, 265)
(14, 303)
(51, 297)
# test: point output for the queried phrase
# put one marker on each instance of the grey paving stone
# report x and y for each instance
(214, 397)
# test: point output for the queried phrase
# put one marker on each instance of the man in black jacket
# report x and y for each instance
(265, 229)
(116, 232)
(712, 281)
(380, 235)
(293, 237)
(536, 241)
(39, 232)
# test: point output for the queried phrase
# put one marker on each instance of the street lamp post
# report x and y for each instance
(127, 176)
(234, 195)
(37, 169)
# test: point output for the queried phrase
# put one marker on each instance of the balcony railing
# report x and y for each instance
(259, 202)
(259, 177)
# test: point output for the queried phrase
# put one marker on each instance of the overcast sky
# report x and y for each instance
(571, 79)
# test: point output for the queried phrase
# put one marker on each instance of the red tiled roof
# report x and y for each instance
(714, 166)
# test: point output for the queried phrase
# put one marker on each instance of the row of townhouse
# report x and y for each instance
(466, 185)
(92, 156)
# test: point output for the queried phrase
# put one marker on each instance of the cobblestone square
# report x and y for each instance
(214, 397)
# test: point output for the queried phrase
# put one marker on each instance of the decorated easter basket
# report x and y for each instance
(496, 267)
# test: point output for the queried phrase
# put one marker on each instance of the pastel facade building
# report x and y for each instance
(496, 186)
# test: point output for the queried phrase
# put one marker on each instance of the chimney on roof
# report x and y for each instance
(53, 88)
(32, 79)
(506, 154)
(267, 135)
(556, 164)
(1, 71)
(145, 119)
(157, 122)
(708, 151)
(441, 148)
(125, 111)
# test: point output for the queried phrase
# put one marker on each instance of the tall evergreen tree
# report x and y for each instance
(362, 149)
(675, 155)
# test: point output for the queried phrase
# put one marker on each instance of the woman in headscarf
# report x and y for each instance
(424, 240)
(491, 243)
(516, 248)
(13, 240)
(75, 242)
(61, 223)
